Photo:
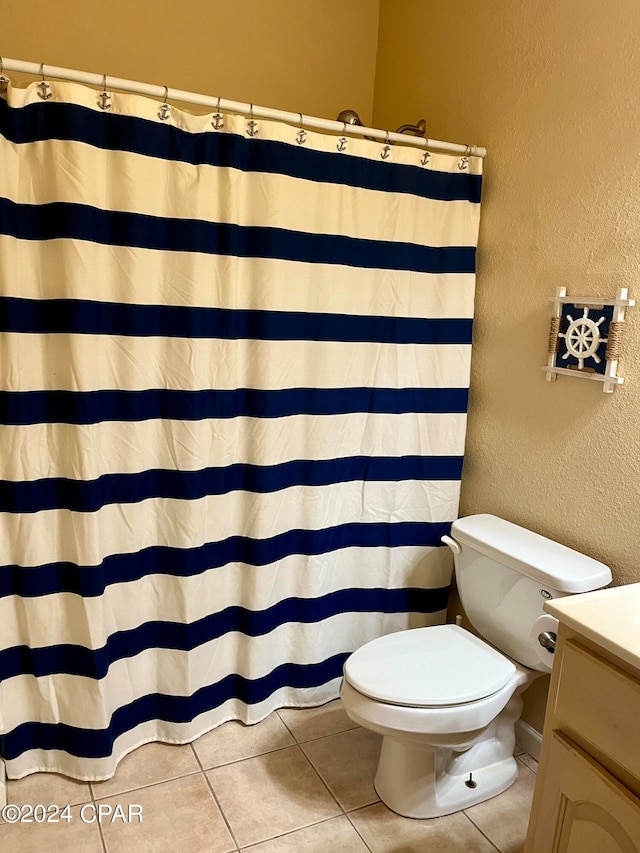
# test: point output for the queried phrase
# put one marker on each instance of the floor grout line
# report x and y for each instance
(323, 737)
(524, 764)
(347, 815)
(149, 785)
(215, 799)
(326, 784)
(484, 834)
(320, 777)
(319, 737)
(293, 831)
(317, 772)
(102, 838)
(247, 757)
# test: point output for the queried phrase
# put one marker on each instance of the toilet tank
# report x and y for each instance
(505, 573)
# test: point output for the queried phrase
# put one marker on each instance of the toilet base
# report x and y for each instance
(410, 782)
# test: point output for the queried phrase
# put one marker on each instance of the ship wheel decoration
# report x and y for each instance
(583, 338)
(589, 347)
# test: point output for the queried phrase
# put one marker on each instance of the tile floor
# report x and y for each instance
(299, 782)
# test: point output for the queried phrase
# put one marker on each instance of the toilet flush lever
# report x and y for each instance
(548, 641)
(451, 543)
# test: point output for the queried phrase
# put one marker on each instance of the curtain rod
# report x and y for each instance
(311, 122)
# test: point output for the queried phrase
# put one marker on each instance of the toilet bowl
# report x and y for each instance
(445, 700)
(447, 748)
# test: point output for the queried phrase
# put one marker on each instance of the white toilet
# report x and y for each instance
(446, 701)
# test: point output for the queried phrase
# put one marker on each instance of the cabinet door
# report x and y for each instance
(599, 702)
(583, 808)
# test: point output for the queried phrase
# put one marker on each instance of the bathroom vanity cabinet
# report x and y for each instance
(587, 794)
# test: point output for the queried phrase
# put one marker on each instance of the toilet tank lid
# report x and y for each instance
(535, 556)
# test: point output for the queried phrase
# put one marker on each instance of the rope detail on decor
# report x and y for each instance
(554, 340)
(616, 330)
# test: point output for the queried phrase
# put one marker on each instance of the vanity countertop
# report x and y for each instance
(609, 617)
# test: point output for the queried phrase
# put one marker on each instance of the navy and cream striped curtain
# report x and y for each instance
(233, 389)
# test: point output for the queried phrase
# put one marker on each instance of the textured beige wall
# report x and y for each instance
(553, 91)
(314, 58)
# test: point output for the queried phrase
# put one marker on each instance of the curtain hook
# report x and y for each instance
(427, 155)
(165, 110)
(253, 125)
(387, 148)
(217, 121)
(342, 142)
(44, 87)
(301, 135)
(104, 98)
(463, 162)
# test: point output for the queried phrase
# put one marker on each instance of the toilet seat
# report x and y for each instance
(438, 666)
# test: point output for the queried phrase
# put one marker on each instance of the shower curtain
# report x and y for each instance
(234, 366)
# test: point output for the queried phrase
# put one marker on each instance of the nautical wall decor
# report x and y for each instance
(586, 336)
